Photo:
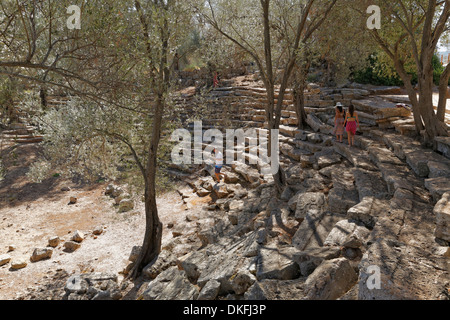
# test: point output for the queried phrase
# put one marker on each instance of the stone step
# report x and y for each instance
(443, 145)
(380, 108)
(344, 194)
(359, 158)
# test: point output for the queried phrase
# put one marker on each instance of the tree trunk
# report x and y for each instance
(433, 127)
(443, 94)
(153, 228)
(412, 94)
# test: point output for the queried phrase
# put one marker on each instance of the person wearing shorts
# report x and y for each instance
(351, 124)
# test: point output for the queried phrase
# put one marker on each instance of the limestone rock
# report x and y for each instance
(347, 234)
(231, 178)
(242, 281)
(314, 230)
(41, 254)
(78, 236)
(276, 290)
(442, 212)
(276, 263)
(310, 201)
(54, 242)
(221, 190)
(134, 254)
(331, 280)
(164, 261)
(209, 291)
(18, 263)
(171, 284)
(121, 197)
(368, 210)
(126, 205)
(93, 286)
(109, 189)
(4, 259)
(98, 231)
(310, 259)
(438, 186)
(71, 246)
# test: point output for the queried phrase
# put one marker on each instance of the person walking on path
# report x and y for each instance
(339, 120)
(351, 124)
(219, 164)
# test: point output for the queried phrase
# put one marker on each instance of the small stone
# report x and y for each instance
(73, 200)
(78, 236)
(98, 231)
(121, 197)
(19, 263)
(4, 259)
(71, 246)
(210, 290)
(176, 234)
(11, 248)
(109, 190)
(126, 205)
(134, 253)
(41, 254)
(54, 242)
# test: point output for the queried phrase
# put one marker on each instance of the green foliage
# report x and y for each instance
(380, 72)
(377, 73)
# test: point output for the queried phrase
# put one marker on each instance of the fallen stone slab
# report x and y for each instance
(383, 155)
(443, 145)
(437, 187)
(400, 144)
(348, 234)
(343, 195)
(419, 159)
(438, 169)
(370, 184)
(310, 259)
(314, 229)
(277, 263)
(171, 284)
(331, 280)
(358, 158)
(276, 290)
(209, 291)
(368, 210)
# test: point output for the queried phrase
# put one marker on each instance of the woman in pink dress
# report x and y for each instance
(351, 124)
(339, 120)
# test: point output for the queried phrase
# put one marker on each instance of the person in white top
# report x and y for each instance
(219, 164)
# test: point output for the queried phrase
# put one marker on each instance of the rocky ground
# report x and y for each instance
(31, 214)
(364, 222)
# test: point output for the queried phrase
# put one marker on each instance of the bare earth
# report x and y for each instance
(32, 213)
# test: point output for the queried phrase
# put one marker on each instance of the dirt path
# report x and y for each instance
(31, 213)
